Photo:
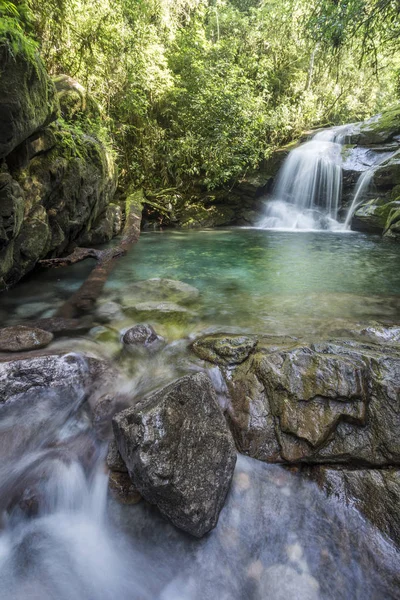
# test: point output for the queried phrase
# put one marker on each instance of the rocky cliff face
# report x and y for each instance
(57, 179)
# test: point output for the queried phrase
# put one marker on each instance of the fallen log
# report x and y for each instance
(84, 300)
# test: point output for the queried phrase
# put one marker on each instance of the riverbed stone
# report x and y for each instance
(60, 371)
(142, 336)
(179, 452)
(20, 338)
(161, 289)
(160, 312)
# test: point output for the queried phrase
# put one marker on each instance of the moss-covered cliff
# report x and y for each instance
(57, 174)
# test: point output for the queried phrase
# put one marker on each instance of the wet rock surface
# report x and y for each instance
(160, 312)
(142, 336)
(179, 452)
(374, 492)
(327, 402)
(224, 349)
(122, 488)
(58, 180)
(54, 371)
(21, 338)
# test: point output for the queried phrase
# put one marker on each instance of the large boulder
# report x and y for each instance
(57, 178)
(27, 96)
(179, 452)
(331, 402)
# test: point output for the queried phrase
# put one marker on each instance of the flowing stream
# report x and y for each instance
(278, 536)
(63, 538)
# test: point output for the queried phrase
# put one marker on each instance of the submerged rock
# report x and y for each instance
(159, 289)
(160, 312)
(142, 336)
(109, 311)
(179, 452)
(21, 338)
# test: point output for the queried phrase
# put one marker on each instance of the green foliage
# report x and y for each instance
(14, 22)
(196, 92)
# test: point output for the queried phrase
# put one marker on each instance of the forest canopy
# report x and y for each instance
(202, 90)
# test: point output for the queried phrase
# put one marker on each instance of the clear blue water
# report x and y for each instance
(252, 279)
(265, 279)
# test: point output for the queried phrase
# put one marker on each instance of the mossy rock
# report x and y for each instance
(381, 128)
(224, 349)
(27, 98)
(373, 216)
(392, 226)
(74, 100)
(160, 312)
(198, 215)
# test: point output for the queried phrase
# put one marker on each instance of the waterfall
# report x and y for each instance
(362, 186)
(309, 185)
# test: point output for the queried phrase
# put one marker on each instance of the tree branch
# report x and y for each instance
(85, 298)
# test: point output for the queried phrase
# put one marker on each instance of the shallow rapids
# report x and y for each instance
(278, 536)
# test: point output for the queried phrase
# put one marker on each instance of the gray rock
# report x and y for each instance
(114, 459)
(21, 338)
(66, 370)
(179, 452)
(142, 336)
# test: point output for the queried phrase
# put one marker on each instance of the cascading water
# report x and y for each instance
(278, 536)
(308, 188)
(362, 185)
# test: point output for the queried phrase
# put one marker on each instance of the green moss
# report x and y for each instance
(386, 125)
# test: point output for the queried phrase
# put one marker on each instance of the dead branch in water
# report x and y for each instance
(85, 298)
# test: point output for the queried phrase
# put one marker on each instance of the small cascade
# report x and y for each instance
(361, 188)
(309, 185)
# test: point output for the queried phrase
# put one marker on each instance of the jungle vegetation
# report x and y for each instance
(203, 90)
